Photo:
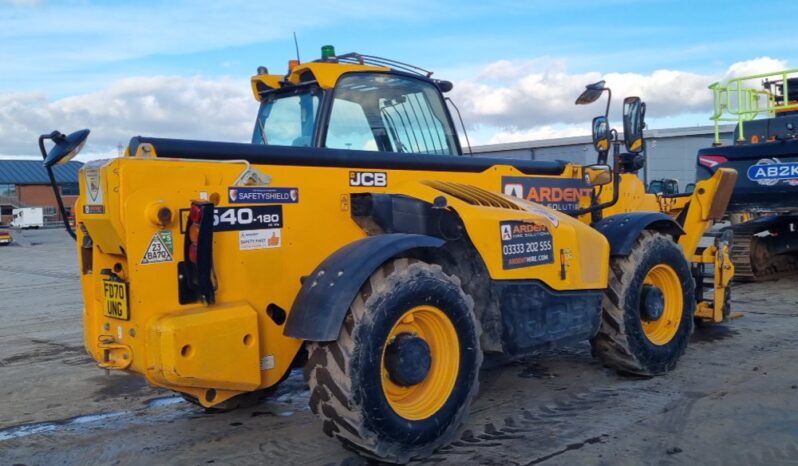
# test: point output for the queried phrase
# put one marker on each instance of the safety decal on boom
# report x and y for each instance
(94, 188)
(161, 248)
(262, 195)
(525, 244)
(260, 239)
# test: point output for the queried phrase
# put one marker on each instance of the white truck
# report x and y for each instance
(28, 217)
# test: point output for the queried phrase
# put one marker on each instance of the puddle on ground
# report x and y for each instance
(42, 427)
(165, 401)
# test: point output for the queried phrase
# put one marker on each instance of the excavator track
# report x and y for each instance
(753, 259)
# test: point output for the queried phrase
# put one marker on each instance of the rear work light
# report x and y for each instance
(197, 279)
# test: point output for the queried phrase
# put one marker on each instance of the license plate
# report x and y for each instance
(115, 300)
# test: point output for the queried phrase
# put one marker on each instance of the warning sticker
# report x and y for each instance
(93, 185)
(93, 201)
(161, 248)
(260, 239)
(525, 244)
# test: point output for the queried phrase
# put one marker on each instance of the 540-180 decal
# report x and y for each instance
(241, 218)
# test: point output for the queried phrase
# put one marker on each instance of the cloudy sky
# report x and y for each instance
(182, 68)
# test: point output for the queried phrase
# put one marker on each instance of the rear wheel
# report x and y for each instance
(648, 309)
(398, 382)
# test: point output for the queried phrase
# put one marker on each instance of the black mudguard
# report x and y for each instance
(622, 230)
(321, 305)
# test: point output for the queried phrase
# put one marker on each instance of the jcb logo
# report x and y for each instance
(379, 179)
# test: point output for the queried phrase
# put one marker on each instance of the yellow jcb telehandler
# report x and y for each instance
(353, 227)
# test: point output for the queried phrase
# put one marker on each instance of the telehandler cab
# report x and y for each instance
(354, 228)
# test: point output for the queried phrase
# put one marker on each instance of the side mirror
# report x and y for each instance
(66, 147)
(601, 133)
(634, 114)
(597, 175)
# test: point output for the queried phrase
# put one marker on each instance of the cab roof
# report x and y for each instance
(325, 72)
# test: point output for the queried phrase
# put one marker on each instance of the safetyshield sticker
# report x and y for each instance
(525, 244)
(262, 195)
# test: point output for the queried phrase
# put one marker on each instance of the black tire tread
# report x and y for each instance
(329, 378)
(612, 345)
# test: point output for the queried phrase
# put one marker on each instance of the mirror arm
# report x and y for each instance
(616, 181)
(602, 157)
(54, 136)
(609, 100)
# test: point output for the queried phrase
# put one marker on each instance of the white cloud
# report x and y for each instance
(166, 106)
(534, 99)
(756, 66)
(505, 101)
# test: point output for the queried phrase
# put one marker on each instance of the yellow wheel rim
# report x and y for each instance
(424, 399)
(662, 330)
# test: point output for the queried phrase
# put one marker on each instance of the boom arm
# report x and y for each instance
(707, 203)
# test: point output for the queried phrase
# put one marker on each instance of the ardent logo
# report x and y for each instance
(514, 189)
(506, 233)
(528, 228)
(544, 194)
(378, 179)
(557, 193)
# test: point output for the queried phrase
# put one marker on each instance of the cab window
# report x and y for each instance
(349, 128)
(287, 118)
(389, 113)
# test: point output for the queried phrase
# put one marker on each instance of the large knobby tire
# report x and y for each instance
(629, 340)
(366, 386)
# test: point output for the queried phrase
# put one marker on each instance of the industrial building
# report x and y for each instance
(671, 153)
(24, 183)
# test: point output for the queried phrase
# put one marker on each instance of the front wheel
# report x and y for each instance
(398, 382)
(648, 308)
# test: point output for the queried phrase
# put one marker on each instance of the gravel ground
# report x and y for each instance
(733, 399)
